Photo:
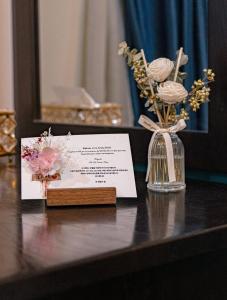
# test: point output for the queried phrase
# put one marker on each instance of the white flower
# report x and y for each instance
(184, 58)
(159, 69)
(172, 92)
(122, 47)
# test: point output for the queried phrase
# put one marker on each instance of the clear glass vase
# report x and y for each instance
(158, 174)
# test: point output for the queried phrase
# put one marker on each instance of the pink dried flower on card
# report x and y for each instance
(45, 159)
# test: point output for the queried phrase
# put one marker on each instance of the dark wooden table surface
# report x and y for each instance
(44, 250)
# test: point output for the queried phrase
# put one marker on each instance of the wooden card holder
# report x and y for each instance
(81, 196)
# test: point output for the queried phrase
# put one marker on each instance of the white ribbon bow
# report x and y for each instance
(152, 126)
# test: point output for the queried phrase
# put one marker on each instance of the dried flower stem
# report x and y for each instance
(164, 111)
(175, 78)
(167, 114)
(151, 88)
(178, 63)
(145, 64)
(160, 118)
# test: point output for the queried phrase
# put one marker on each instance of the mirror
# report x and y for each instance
(82, 78)
(27, 88)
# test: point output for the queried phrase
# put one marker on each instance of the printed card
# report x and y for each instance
(76, 161)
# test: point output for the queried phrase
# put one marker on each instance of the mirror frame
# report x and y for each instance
(204, 150)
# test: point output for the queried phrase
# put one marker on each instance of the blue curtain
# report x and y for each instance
(161, 27)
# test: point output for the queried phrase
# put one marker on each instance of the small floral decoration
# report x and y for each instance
(161, 83)
(44, 157)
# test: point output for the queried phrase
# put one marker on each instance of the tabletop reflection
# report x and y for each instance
(67, 234)
(166, 214)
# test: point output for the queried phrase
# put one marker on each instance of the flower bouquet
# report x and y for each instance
(44, 159)
(161, 83)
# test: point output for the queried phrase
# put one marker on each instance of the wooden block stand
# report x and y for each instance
(81, 196)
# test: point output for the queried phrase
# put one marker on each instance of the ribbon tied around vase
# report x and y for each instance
(152, 126)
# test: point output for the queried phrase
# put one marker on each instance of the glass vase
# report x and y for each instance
(158, 179)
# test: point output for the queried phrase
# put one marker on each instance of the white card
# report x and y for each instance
(97, 160)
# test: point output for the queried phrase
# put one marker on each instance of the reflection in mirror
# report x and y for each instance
(84, 81)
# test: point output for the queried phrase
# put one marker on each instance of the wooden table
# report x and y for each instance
(155, 247)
